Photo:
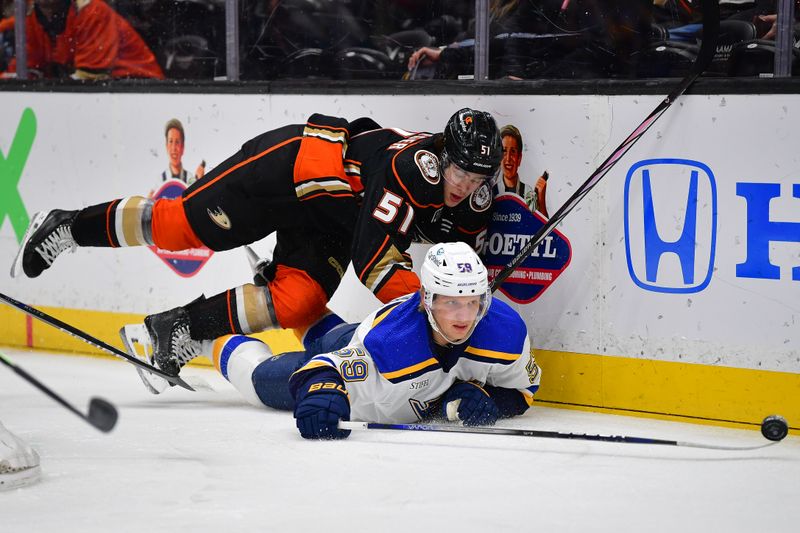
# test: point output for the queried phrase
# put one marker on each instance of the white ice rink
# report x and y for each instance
(206, 461)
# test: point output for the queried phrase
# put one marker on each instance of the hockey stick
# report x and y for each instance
(704, 57)
(85, 337)
(541, 434)
(102, 414)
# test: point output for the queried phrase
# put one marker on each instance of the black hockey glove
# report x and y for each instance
(468, 402)
(321, 403)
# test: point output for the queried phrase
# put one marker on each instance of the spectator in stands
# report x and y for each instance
(84, 39)
(764, 16)
(574, 39)
(6, 34)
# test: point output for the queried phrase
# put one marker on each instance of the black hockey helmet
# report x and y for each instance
(472, 141)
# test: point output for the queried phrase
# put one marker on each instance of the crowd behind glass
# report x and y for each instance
(393, 39)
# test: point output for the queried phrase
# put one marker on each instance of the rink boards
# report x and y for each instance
(677, 296)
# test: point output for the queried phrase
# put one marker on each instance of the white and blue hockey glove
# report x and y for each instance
(469, 402)
(321, 403)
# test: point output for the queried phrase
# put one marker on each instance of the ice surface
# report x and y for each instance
(206, 461)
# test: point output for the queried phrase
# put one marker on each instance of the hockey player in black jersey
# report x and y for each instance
(334, 191)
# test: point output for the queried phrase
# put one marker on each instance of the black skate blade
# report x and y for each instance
(176, 380)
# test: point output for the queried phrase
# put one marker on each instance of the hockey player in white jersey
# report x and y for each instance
(447, 351)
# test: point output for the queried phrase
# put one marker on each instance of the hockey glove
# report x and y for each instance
(468, 402)
(321, 403)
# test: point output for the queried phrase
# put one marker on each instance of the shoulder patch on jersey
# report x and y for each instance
(428, 165)
(481, 199)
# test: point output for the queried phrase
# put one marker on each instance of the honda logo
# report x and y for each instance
(670, 224)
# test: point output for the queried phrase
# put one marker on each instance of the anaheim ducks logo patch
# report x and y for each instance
(219, 217)
(428, 165)
(481, 199)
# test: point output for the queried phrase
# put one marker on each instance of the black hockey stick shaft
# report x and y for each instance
(704, 57)
(540, 434)
(85, 337)
(102, 414)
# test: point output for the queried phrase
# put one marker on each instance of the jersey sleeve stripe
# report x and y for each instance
(315, 363)
(383, 265)
(373, 259)
(411, 371)
(379, 318)
(492, 355)
(470, 232)
(352, 171)
(317, 187)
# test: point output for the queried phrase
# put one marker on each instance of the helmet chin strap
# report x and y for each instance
(435, 327)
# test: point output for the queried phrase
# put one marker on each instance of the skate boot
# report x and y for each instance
(136, 335)
(19, 463)
(173, 346)
(48, 235)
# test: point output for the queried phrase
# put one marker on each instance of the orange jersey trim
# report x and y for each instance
(373, 259)
(462, 230)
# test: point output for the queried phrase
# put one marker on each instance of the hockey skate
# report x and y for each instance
(19, 463)
(136, 335)
(48, 235)
(166, 342)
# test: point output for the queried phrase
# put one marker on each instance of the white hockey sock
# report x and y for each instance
(236, 357)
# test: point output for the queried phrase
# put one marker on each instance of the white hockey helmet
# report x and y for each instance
(454, 269)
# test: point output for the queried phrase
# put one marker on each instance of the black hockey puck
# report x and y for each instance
(774, 427)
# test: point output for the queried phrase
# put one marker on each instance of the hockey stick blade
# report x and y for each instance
(102, 414)
(704, 57)
(541, 434)
(85, 337)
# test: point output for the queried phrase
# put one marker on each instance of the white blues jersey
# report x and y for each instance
(393, 375)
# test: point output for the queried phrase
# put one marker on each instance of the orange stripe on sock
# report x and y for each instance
(111, 207)
(230, 310)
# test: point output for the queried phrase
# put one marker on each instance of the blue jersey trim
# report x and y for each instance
(230, 345)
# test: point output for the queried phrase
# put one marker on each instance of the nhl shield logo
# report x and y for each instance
(510, 230)
(185, 263)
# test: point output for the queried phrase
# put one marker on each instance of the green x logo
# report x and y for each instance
(11, 167)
